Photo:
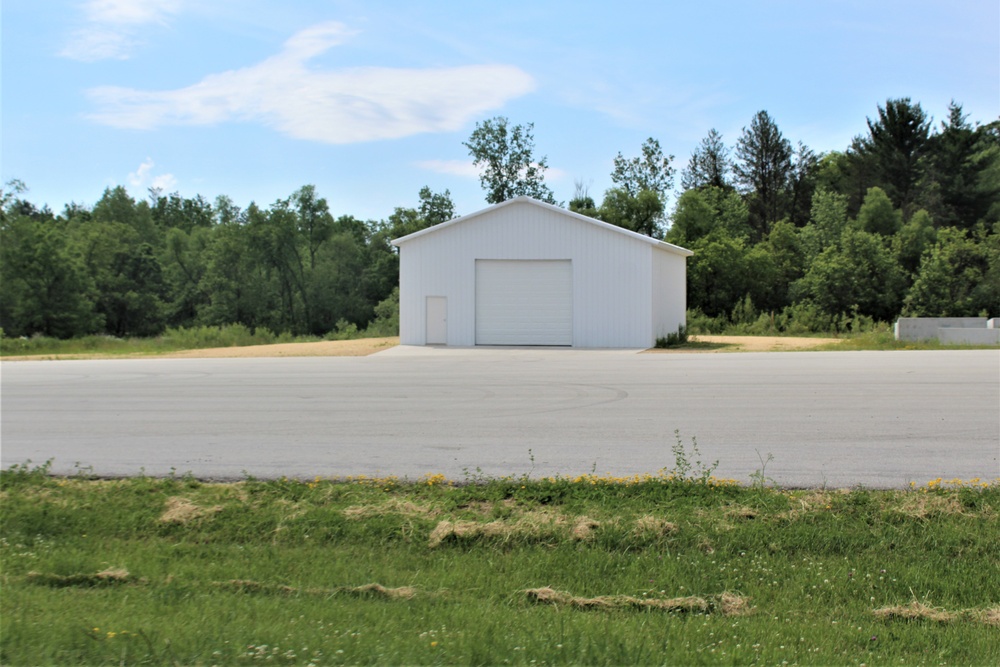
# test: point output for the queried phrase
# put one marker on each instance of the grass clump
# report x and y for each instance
(556, 570)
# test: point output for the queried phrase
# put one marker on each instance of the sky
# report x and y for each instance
(371, 100)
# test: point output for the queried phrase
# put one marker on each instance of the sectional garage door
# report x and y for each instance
(524, 302)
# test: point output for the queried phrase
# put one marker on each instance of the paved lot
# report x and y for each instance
(836, 418)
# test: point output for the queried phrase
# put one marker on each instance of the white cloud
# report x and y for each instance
(144, 178)
(112, 28)
(135, 12)
(342, 106)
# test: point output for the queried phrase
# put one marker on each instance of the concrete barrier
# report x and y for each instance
(926, 328)
(951, 336)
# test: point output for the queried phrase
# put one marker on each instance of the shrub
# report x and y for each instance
(673, 339)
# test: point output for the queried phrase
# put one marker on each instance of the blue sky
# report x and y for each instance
(371, 100)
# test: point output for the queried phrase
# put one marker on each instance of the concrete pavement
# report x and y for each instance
(880, 419)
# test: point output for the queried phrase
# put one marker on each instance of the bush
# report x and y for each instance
(673, 339)
(230, 335)
(700, 323)
(386, 322)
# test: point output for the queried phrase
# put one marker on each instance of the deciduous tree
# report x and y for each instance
(505, 154)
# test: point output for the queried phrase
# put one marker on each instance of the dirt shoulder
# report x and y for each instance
(361, 347)
(751, 344)
(364, 346)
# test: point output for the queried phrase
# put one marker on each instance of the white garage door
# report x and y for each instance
(524, 302)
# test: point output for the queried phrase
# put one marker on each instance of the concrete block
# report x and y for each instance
(993, 323)
(952, 336)
(926, 328)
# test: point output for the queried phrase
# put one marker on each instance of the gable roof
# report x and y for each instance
(662, 245)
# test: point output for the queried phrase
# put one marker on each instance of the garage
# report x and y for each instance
(524, 272)
(524, 302)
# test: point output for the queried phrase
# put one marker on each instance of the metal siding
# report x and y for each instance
(612, 274)
(669, 292)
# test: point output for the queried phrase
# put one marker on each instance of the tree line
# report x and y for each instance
(905, 220)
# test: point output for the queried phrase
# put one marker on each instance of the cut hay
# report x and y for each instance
(584, 528)
(928, 505)
(919, 611)
(679, 605)
(989, 616)
(727, 604)
(366, 590)
(181, 510)
(110, 577)
(915, 611)
(731, 604)
(742, 513)
(647, 525)
(531, 526)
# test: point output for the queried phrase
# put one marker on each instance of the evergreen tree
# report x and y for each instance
(763, 172)
(897, 141)
(709, 165)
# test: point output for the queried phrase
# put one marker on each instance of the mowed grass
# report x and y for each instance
(679, 570)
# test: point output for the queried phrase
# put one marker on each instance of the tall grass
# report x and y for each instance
(676, 568)
(173, 339)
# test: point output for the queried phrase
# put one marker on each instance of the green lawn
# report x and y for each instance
(591, 570)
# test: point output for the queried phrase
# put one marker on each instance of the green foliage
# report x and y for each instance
(709, 209)
(915, 237)
(896, 143)
(639, 213)
(860, 273)
(505, 154)
(651, 171)
(709, 165)
(877, 216)
(724, 270)
(958, 277)
(763, 170)
(828, 220)
(44, 286)
(131, 270)
(386, 322)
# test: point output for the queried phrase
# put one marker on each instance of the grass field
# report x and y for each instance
(680, 569)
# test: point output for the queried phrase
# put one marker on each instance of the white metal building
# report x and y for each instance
(524, 272)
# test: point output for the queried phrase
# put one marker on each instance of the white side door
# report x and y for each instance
(437, 320)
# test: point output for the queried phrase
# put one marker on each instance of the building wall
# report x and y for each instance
(669, 292)
(613, 275)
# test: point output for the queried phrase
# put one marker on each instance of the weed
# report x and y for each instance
(758, 479)
(24, 474)
(688, 466)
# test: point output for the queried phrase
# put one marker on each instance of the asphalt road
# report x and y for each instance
(879, 419)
